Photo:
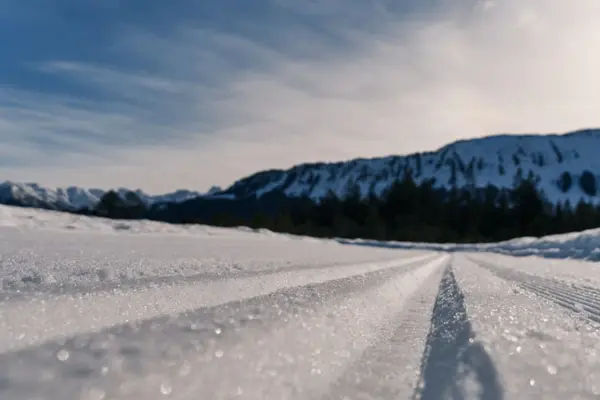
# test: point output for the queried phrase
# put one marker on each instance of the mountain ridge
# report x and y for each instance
(496, 160)
(75, 198)
(565, 166)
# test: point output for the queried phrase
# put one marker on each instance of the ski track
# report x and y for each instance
(539, 347)
(25, 323)
(19, 293)
(582, 299)
(384, 372)
(287, 344)
(329, 322)
(66, 262)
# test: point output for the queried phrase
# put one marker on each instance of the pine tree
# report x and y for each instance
(588, 183)
(565, 182)
(419, 164)
(528, 204)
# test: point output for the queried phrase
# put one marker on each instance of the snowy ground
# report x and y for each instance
(578, 245)
(98, 309)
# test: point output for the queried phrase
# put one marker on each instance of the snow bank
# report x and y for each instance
(35, 219)
(577, 245)
(31, 218)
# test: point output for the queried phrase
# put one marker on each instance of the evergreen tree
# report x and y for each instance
(407, 211)
(516, 159)
(109, 205)
(565, 182)
(528, 204)
(588, 183)
(419, 164)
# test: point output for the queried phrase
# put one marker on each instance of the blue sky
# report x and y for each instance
(186, 94)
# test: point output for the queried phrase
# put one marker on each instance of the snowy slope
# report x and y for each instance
(577, 245)
(492, 160)
(31, 219)
(75, 198)
(90, 312)
(583, 245)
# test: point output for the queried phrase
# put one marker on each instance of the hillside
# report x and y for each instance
(566, 167)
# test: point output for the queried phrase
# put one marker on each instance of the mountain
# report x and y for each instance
(566, 167)
(75, 198)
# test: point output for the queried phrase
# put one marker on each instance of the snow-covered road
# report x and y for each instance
(233, 314)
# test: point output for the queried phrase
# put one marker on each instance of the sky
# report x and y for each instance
(162, 95)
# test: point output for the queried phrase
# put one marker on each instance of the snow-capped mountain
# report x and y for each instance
(566, 167)
(75, 198)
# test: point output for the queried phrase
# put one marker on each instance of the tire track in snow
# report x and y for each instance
(287, 344)
(581, 299)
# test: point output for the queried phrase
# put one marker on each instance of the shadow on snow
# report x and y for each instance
(452, 358)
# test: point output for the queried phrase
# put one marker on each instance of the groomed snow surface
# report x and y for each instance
(100, 309)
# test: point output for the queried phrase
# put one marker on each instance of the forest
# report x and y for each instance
(406, 212)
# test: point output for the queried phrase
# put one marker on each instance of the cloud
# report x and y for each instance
(112, 80)
(193, 107)
(512, 66)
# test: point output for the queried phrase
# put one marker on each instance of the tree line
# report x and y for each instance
(407, 211)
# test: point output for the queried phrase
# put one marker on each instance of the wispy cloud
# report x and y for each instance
(113, 81)
(195, 106)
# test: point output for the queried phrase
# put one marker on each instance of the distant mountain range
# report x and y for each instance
(76, 198)
(566, 167)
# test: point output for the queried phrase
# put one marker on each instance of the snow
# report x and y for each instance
(573, 152)
(72, 250)
(577, 245)
(99, 309)
(76, 198)
(583, 245)
(540, 347)
(494, 160)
